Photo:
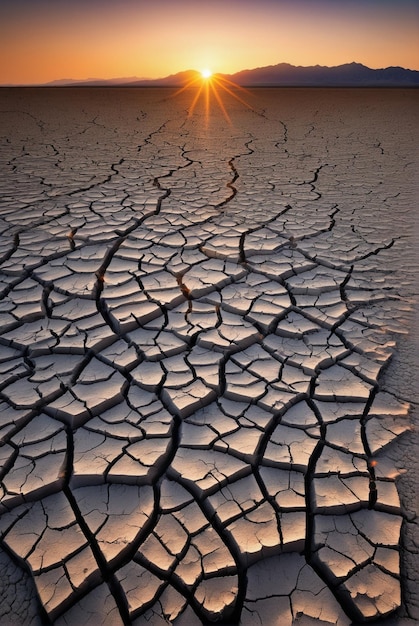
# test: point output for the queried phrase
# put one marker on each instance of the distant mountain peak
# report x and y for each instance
(346, 75)
(351, 74)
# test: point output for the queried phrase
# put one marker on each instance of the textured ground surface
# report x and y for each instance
(197, 422)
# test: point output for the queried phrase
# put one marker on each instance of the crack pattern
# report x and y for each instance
(194, 323)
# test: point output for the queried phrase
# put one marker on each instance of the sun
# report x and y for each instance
(210, 88)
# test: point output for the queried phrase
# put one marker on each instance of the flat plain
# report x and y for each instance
(208, 352)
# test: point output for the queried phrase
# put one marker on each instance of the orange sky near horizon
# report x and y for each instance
(41, 41)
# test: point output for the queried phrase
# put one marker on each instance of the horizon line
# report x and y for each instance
(125, 81)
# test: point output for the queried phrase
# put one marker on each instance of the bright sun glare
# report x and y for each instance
(210, 88)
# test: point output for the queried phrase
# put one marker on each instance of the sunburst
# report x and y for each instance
(211, 88)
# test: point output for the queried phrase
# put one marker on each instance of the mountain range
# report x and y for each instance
(281, 75)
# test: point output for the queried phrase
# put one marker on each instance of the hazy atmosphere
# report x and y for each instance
(41, 41)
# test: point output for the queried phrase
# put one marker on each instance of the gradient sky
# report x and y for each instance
(43, 40)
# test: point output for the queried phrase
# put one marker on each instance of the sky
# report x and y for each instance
(45, 40)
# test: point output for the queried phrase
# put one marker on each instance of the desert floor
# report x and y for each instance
(208, 353)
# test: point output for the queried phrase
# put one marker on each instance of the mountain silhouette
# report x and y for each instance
(281, 75)
(347, 75)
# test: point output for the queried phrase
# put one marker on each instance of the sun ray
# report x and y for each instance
(210, 87)
(195, 100)
(223, 79)
(220, 102)
(231, 92)
(207, 102)
(193, 81)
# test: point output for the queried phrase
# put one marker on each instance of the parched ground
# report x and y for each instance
(208, 356)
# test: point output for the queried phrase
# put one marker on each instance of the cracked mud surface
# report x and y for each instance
(207, 358)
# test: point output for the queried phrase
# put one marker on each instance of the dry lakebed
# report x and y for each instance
(209, 357)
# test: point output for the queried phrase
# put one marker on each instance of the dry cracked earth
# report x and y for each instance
(208, 360)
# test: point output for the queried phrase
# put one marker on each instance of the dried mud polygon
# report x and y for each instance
(196, 315)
